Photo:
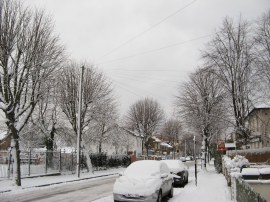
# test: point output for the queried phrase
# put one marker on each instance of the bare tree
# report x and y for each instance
(262, 41)
(172, 129)
(144, 117)
(230, 55)
(200, 104)
(43, 121)
(104, 124)
(96, 93)
(29, 54)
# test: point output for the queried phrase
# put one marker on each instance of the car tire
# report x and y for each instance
(187, 180)
(170, 195)
(183, 182)
(159, 199)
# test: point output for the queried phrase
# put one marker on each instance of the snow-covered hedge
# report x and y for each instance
(237, 162)
(261, 155)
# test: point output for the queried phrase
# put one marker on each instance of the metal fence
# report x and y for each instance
(40, 163)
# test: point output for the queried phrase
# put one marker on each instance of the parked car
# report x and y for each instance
(146, 180)
(183, 159)
(180, 169)
(189, 158)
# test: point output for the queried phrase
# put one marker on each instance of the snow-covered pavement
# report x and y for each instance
(211, 187)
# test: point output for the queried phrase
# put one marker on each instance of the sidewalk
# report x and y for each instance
(211, 187)
(7, 185)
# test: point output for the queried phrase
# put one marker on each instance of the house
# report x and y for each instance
(154, 146)
(258, 122)
(123, 141)
(135, 140)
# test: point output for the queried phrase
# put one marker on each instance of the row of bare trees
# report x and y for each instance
(39, 86)
(231, 81)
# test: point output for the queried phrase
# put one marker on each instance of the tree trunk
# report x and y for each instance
(49, 146)
(16, 156)
(100, 147)
(88, 159)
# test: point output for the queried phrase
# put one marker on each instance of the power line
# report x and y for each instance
(124, 84)
(146, 30)
(131, 77)
(146, 70)
(158, 49)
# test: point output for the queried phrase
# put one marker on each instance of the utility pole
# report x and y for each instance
(79, 131)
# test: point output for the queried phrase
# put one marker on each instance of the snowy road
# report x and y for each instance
(80, 191)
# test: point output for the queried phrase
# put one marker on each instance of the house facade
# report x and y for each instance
(258, 122)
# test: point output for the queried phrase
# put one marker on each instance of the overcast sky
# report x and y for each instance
(145, 47)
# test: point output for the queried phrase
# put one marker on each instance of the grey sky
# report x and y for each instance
(91, 29)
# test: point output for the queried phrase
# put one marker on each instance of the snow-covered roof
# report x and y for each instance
(3, 135)
(229, 145)
(165, 144)
(156, 139)
(133, 133)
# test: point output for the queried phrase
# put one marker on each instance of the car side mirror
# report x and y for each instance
(164, 175)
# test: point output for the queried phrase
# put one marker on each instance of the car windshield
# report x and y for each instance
(143, 168)
(174, 165)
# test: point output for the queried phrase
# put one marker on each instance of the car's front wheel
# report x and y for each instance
(159, 196)
(170, 195)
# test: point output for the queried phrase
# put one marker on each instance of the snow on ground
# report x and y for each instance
(211, 187)
(31, 183)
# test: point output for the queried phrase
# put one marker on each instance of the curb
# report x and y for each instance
(54, 183)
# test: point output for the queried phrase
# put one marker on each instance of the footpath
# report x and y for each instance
(7, 185)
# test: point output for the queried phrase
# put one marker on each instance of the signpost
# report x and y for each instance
(195, 159)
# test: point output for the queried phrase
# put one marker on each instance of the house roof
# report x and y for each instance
(165, 144)
(256, 109)
(3, 135)
(131, 132)
(230, 145)
(156, 139)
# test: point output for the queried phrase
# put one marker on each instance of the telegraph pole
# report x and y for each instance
(79, 130)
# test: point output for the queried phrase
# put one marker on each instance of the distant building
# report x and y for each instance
(258, 122)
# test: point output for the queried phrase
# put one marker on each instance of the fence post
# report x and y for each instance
(71, 169)
(60, 164)
(29, 161)
(46, 164)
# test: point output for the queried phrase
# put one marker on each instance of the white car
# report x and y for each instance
(146, 180)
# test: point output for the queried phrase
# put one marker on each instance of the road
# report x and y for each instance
(77, 191)
(86, 190)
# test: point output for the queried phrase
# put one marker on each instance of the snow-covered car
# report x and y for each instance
(180, 169)
(189, 158)
(146, 180)
(183, 159)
